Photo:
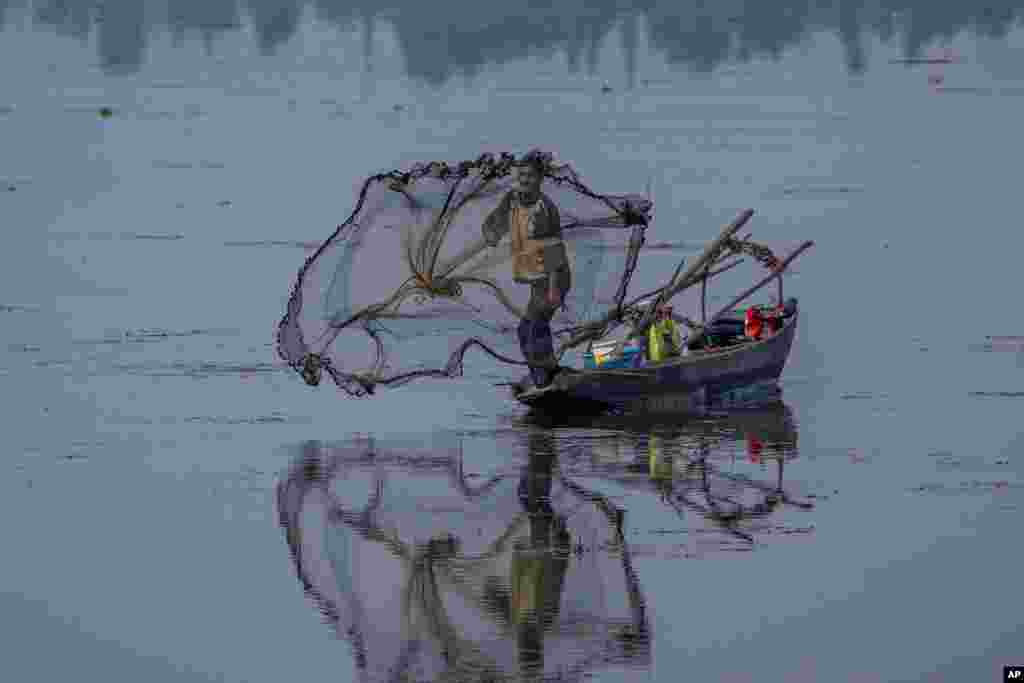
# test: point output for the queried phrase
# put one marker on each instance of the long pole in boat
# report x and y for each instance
(781, 300)
(649, 314)
(709, 254)
(682, 283)
(679, 283)
(704, 298)
(711, 274)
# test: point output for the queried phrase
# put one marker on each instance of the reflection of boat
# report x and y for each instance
(693, 487)
(766, 415)
(688, 464)
(524, 577)
(678, 384)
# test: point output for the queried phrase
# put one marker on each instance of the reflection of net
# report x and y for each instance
(452, 584)
(407, 284)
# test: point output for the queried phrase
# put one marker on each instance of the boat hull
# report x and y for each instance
(676, 385)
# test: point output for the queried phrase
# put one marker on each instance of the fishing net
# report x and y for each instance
(525, 576)
(408, 283)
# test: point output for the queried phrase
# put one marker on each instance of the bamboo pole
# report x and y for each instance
(706, 260)
(683, 320)
(677, 285)
(673, 289)
(709, 253)
(704, 298)
(649, 314)
(777, 273)
(656, 292)
(724, 268)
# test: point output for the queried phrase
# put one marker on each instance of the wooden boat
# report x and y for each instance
(700, 377)
(676, 385)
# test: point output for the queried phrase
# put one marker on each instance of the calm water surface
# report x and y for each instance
(182, 507)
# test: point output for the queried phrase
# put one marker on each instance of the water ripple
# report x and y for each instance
(198, 369)
(155, 334)
(273, 243)
(275, 418)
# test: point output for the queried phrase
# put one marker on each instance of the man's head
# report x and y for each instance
(665, 311)
(529, 175)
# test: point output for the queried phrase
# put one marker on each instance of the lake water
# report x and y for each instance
(181, 506)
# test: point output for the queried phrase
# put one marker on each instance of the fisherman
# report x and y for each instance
(538, 259)
(663, 338)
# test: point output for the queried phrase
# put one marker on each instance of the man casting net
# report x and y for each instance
(515, 256)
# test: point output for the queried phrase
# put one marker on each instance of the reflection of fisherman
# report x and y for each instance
(663, 339)
(538, 570)
(538, 259)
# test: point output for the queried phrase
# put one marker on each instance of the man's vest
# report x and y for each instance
(533, 259)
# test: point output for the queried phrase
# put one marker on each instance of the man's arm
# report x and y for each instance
(496, 224)
(554, 256)
(555, 219)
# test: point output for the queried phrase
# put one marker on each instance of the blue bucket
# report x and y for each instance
(632, 357)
